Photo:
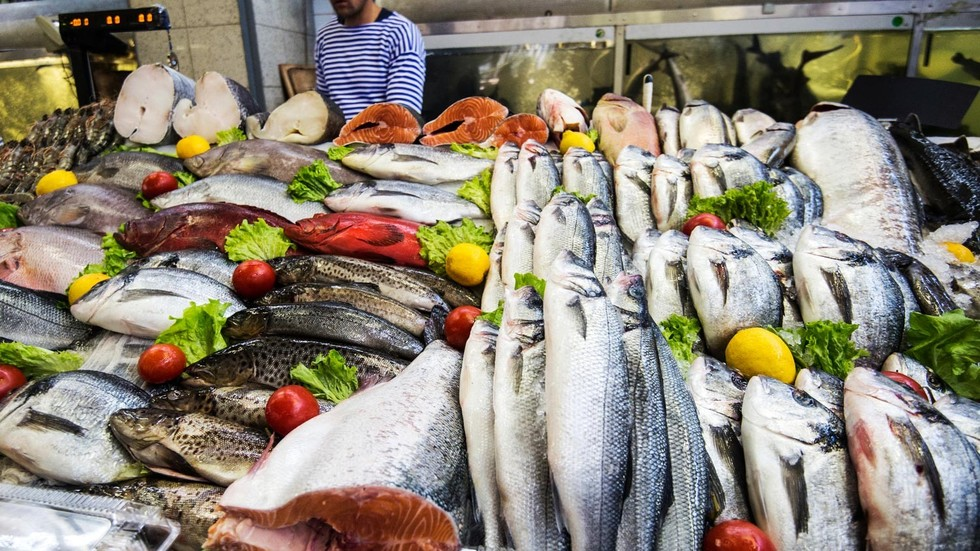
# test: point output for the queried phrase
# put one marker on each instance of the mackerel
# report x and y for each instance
(565, 225)
(666, 283)
(668, 120)
(242, 189)
(631, 180)
(415, 163)
(671, 189)
(402, 199)
(518, 254)
(716, 168)
(503, 184)
(581, 173)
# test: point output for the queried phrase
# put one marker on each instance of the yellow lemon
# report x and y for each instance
(571, 138)
(961, 253)
(53, 180)
(756, 351)
(192, 145)
(467, 264)
(82, 285)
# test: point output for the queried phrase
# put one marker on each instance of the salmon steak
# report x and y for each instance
(520, 128)
(469, 120)
(381, 123)
(360, 235)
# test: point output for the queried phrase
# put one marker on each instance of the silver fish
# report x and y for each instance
(822, 387)
(631, 180)
(749, 122)
(493, 287)
(272, 158)
(565, 224)
(700, 124)
(406, 200)
(38, 319)
(125, 169)
(537, 174)
(773, 144)
(609, 250)
(671, 189)
(964, 413)
(47, 258)
(116, 354)
(582, 174)
(561, 113)
(97, 208)
(787, 191)
(518, 253)
(812, 196)
(415, 163)
(210, 262)
(241, 189)
(779, 258)
(666, 283)
(641, 250)
(668, 129)
(503, 184)
(933, 386)
(717, 167)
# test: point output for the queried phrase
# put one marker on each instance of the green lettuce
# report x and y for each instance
(338, 152)
(584, 198)
(756, 203)
(593, 135)
(477, 191)
(949, 345)
(37, 362)
(823, 345)
(198, 331)
(312, 183)
(438, 239)
(330, 377)
(258, 241)
(682, 334)
(529, 279)
(474, 150)
(8, 215)
(495, 317)
(114, 257)
(226, 137)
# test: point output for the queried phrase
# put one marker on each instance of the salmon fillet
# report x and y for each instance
(469, 120)
(520, 128)
(381, 123)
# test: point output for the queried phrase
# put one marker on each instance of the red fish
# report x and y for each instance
(360, 235)
(469, 120)
(381, 123)
(520, 128)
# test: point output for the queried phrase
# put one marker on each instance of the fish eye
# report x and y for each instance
(803, 398)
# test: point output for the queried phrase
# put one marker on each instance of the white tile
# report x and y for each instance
(276, 46)
(211, 13)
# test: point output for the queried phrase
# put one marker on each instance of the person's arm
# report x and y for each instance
(406, 72)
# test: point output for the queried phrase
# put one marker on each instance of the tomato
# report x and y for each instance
(737, 535)
(11, 379)
(458, 325)
(161, 363)
(158, 183)
(289, 407)
(907, 382)
(253, 278)
(703, 219)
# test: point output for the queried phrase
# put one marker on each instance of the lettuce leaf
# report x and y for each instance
(529, 279)
(312, 183)
(823, 345)
(593, 135)
(258, 241)
(477, 191)
(495, 317)
(756, 203)
(114, 257)
(198, 331)
(8, 215)
(338, 152)
(438, 239)
(584, 198)
(330, 377)
(226, 137)
(474, 150)
(37, 362)
(950, 345)
(682, 334)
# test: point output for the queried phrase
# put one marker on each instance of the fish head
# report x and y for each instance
(815, 380)
(711, 381)
(790, 413)
(180, 399)
(247, 324)
(523, 318)
(365, 156)
(888, 394)
(217, 370)
(560, 112)
(574, 274)
(626, 292)
(528, 211)
(930, 382)
(141, 428)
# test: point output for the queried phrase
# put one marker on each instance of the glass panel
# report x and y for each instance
(31, 88)
(954, 56)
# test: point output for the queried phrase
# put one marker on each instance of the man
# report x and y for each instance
(369, 54)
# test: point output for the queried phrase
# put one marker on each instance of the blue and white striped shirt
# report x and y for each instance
(383, 61)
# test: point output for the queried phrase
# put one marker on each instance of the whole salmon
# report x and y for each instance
(361, 235)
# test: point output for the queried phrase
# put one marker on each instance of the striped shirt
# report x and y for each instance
(383, 61)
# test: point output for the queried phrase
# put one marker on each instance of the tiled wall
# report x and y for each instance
(282, 36)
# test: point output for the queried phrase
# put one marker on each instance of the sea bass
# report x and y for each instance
(209, 262)
(415, 163)
(822, 387)
(536, 176)
(503, 183)
(402, 199)
(518, 253)
(46, 258)
(270, 158)
(241, 189)
(582, 174)
(609, 250)
(493, 284)
(38, 319)
(631, 180)
(641, 250)
(621, 122)
(361, 235)
(565, 224)
(97, 208)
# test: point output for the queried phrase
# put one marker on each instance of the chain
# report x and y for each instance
(172, 56)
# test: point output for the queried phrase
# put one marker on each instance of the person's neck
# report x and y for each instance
(367, 15)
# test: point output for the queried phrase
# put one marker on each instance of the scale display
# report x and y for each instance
(140, 19)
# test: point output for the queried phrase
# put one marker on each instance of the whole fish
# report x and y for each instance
(415, 163)
(361, 235)
(190, 226)
(331, 321)
(397, 449)
(210, 262)
(588, 416)
(641, 250)
(275, 159)
(779, 258)
(125, 169)
(46, 258)
(268, 360)
(812, 196)
(866, 189)
(918, 476)
(749, 122)
(401, 199)
(116, 354)
(671, 189)
(666, 283)
(719, 167)
(190, 446)
(964, 413)
(718, 392)
(453, 293)
(773, 144)
(609, 249)
(565, 224)
(841, 279)
(518, 252)
(493, 285)
(57, 427)
(536, 175)
(241, 189)
(787, 191)
(701, 124)
(38, 319)
(97, 208)
(244, 405)
(142, 302)
(802, 487)
(503, 183)
(620, 122)
(822, 387)
(732, 287)
(933, 386)
(632, 182)
(582, 174)
(668, 120)
(561, 113)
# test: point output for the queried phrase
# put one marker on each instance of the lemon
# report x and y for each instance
(192, 145)
(756, 351)
(571, 138)
(54, 180)
(961, 253)
(467, 264)
(82, 285)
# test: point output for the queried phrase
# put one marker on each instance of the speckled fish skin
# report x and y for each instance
(719, 167)
(125, 169)
(588, 416)
(503, 183)
(631, 181)
(802, 487)
(668, 128)
(582, 174)
(242, 189)
(773, 144)
(36, 319)
(822, 387)
(700, 124)
(244, 405)
(666, 282)
(933, 386)
(518, 253)
(97, 208)
(47, 258)
(609, 248)
(415, 163)
(537, 175)
(670, 192)
(749, 122)
(918, 476)
(451, 292)
(493, 285)
(402, 199)
(641, 250)
(565, 224)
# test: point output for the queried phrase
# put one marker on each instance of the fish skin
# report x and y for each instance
(716, 168)
(518, 253)
(361, 235)
(933, 386)
(620, 122)
(560, 112)
(581, 173)
(671, 189)
(791, 226)
(241, 189)
(565, 224)
(503, 183)
(57, 427)
(116, 354)
(141, 303)
(125, 169)
(668, 129)
(472, 119)
(37, 319)
(700, 124)
(779, 258)
(588, 417)
(822, 387)
(632, 184)
(867, 191)
(415, 163)
(609, 249)
(381, 123)
(536, 176)
(773, 145)
(918, 476)
(270, 158)
(493, 285)
(47, 258)
(244, 405)
(406, 200)
(802, 487)
(964, 414)
(812, 196)
(749, 122)
(453, 293)
(641, 250)
(97, 208)
(666, 282)
(210, 262)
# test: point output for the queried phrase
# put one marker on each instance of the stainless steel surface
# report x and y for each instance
(915, 46)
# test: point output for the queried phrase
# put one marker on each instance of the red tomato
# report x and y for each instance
(161, 363)
(11, 379)
(289, 407)
(458, 325)
(737, 535)
(703, 219)
(158, 183)
(908, 382)
(253, 278)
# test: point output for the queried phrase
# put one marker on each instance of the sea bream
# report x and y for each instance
(401, 199)
(666, 282)
(493, 284)
(631, 181)
(716, 168)
(415, 163)
(933, 386)
(822, 387)
(46, 258)
(270, 158)
(772, 145)
(641, 250)
(668, 128)
(610, 253)
(700, 124)
(671, 189)
(37, 319)
(964, 413)
(749, 122)
(241, 189)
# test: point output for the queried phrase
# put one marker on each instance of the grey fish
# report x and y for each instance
(453, 293)
(812, 196)
(241, 189)
(787, 191)
(402, 199)
(772, 145)
(518, 253)
(609, 249)
(190, 446)
(142, 302)
(244, 405)
(126, 169)
(779, 258)
(415, 163)
(732, 287)
(641, 250)
(210, 262)
(718, 167)
(921, 288)
(38, 319)
(701, 124)
(631, 181)
(47, 258)
(503, 183)
(588, 417)
(666, 283)
(97, 208)
(116, 354)
(493, 285)
(582, 174)
(842, 279)
(933, 386)
(537, 176)
(275, 159)
(668, 129)
(671, 189)
(822, 387)
(802, 486)
(749, 122)
(964, 413)
(332, 321)
(918, 476)
(565, 224)
(57, 427)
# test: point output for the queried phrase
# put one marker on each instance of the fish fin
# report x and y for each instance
(730, 449)
(72, 215)
(838, 288)
(177, 474)
(575, 304)
(795, 484)
(407, 158)
(720, 270)
(389, 235)
(717, 500)
(918, 451)
(435, 325)
(46, 421)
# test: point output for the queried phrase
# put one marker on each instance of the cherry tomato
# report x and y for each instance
(289, 407)
(11, 379)
(158, 183)
(908, 382)
(161, 363)
(703, 219)
(253, 278)
(458, 324)
(737, 535)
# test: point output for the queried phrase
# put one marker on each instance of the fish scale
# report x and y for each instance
(536, 175)
(37, 319)
(631, 182)
(670, 192)
(503, 183)
(565, 224)
(243, 189)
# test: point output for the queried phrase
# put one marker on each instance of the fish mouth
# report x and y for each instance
(140, 428)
